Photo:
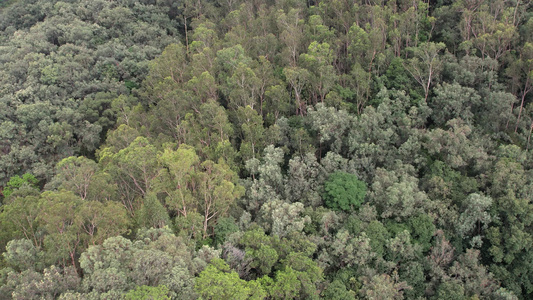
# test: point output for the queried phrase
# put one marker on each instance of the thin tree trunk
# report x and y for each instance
(526, 91)
(186, 36)
(529, 136)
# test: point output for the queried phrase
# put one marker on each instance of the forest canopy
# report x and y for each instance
(286, 149)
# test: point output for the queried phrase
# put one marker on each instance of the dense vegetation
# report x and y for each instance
(284, 149)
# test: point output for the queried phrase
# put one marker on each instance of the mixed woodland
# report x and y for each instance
(266, 149)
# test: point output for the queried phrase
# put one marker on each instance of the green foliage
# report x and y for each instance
(260, 249)
(242, 124)
(118, 265)
(223, 228)
(453, 101)
(422, 230)
(16, 182)
(286, 286)
(148, 293)
(396, 77)
(19, 219)
(299, 279)
(81, 176)
(396, 193)
(378, 235)
(22, 255)
(352, 251)
(217, 281)
(6, 3)
(450, 290)
(337, 291)
(152, 213)
(82, 56)
(51, 283)
(343, 191)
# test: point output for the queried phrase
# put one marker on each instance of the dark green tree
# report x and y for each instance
(344, 191)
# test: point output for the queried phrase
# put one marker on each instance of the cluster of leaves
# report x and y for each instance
(273, 150)
(61, 66)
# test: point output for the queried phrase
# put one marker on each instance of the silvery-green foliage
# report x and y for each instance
(180, 282)
(281, 218)
(332, 126)
(351, 251)
(334, 162)
(474, 218)
(203, 256)
(267, 180)
(157, 257)
(72, 296)
(453, 101)
(46, 285)
(395, 193)
(378, 133)
(458, 146)
(304, 180)
(21, 255)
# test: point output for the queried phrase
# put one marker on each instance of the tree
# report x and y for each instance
(170, 64)
(318, 61)
(16, 182)
(422, 230)
(492, 28)
(474, 218)
(148, 293)
(384, 286)
(244, 86)
(286, 285)
(77, 58)
(260, 251)
(278, 102)
(366, 51)
(208, 130)
(216, 191)
(332, 126)
(252, 133)
(152, 213)
(101, 220)
(291, 32)
(64, 237)
(297, 79)
(51, 283)
(336, 290)
(223, 229)
(509, 235)
(304, 180)
(396, 194)
(119, 265)
(217, 281)
(267, 180)
(519, 68)
(177, 178)
(300, 278)
(425, 65)
(19, 218)
(75, 174)
(281, 218)
(456, 146)
(450, 290)
(350, 251)
(474, 277)
(22, 255)
(453, 101)
(344, 191)
(134, 169)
